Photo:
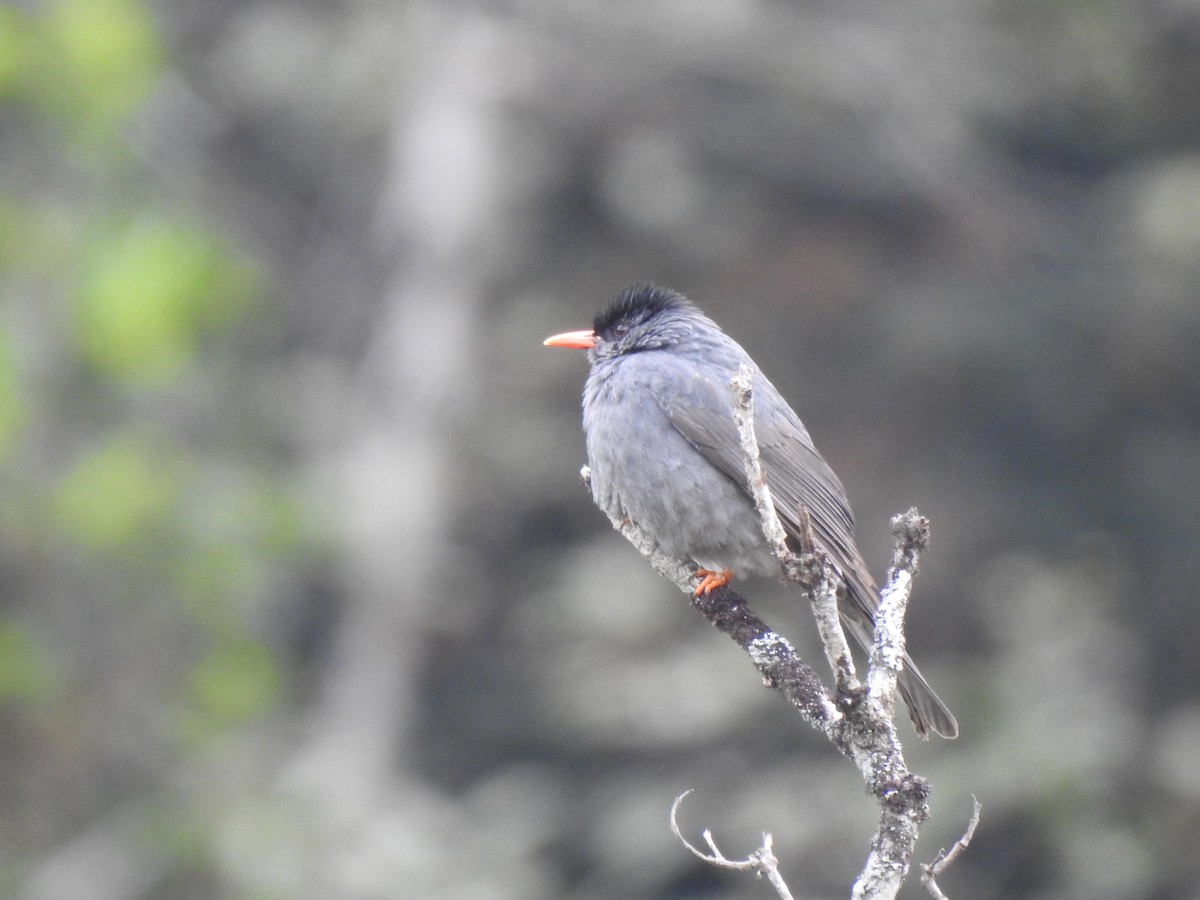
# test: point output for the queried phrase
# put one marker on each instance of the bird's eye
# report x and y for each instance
(621, 329)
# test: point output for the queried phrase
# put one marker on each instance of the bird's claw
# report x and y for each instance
(711, 580)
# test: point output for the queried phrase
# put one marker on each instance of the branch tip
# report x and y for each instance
(858, 720)
(943, 860)
(762, 861)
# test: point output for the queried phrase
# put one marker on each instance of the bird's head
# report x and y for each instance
(643, 317)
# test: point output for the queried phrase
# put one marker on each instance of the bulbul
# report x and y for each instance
(664, 452)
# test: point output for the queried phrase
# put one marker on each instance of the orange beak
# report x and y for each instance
(575, 340)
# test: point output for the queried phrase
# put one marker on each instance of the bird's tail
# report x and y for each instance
(925, 708)
(928, 713)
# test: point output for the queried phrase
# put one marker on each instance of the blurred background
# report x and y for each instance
(302, 597)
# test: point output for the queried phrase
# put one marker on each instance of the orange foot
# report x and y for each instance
(710, 580)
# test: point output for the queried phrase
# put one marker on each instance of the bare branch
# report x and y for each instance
(865, 732)
(823, 590)
(811, 568)
(903, 797)
(943, 860)
(910, 533)
(743, 416)
(772, 654)
(761, 861)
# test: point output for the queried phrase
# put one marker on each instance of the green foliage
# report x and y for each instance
(119, 494)
(90, 63)
(237, 681)
(15, 41)
(164, 514)
(26, 672)
(13, 412)
(152, 289)
(144, 486)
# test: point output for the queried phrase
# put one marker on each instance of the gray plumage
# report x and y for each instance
(664, 452)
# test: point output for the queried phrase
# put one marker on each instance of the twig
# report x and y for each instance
(811, 568)
(772, 654)
(903, 797)
(864, 732)
(824, 588)
(743, 417)
(870, 738)
(761, 861)
(910, 533)
(943, 859)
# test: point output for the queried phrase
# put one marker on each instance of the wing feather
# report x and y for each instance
(797, 475)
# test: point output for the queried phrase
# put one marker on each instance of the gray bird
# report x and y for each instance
(664, 452)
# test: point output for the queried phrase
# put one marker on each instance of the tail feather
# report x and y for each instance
(928, 713)
(925, 708)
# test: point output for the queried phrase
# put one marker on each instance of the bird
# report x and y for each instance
(664, 452)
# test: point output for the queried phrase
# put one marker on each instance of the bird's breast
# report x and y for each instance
(645, 470)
